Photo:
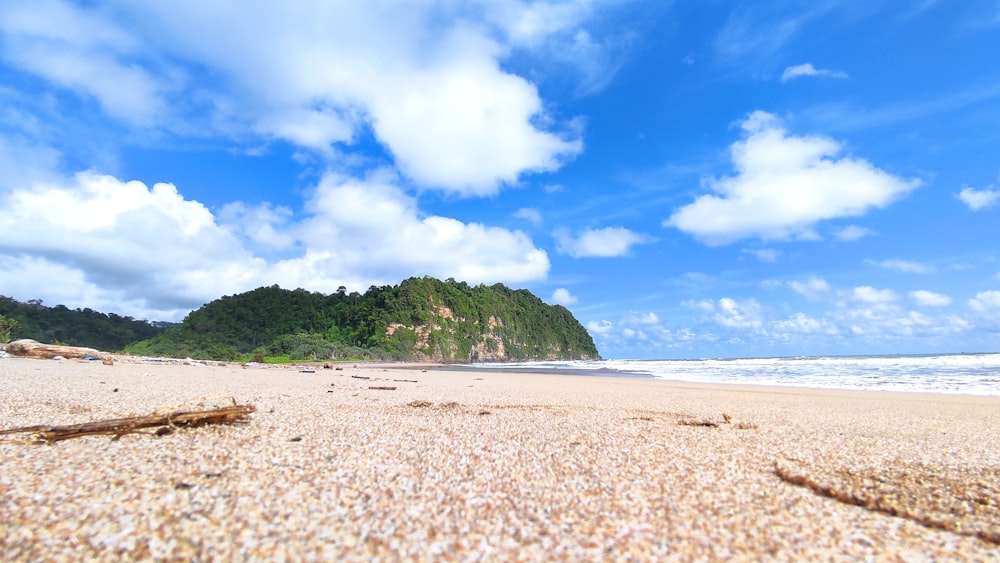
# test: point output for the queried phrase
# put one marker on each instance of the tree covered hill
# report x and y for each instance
(421, 319)
(74, 327)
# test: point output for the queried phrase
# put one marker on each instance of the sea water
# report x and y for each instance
(971, 374)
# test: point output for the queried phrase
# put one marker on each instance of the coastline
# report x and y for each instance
(480, 463)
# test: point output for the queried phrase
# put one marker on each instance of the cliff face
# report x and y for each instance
(488, 346)
(451, 321)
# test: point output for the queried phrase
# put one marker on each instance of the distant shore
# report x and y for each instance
(425, 462)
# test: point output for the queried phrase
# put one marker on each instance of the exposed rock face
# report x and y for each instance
(33, 349)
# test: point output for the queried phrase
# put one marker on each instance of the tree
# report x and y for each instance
(7, 327)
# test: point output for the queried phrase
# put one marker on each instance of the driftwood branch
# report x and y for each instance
(118, 427)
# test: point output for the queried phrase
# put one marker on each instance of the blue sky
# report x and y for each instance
(690, 178)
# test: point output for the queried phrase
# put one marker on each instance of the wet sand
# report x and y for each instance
(466, 465)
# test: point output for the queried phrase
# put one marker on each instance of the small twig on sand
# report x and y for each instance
(118, 427)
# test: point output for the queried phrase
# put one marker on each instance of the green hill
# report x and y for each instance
(422, 319)
(74, 327)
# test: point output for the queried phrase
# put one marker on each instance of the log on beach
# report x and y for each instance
(32, 349)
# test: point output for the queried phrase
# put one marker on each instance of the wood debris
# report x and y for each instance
(957, 499)
(118, 427)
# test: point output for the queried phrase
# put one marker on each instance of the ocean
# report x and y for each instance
(969, 374)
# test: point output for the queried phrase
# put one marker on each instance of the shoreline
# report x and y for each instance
(476, 463)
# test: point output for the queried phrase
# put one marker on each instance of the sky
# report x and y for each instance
(691, 178)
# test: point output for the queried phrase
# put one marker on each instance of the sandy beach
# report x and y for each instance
(413, 463)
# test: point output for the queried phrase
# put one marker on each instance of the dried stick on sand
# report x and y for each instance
(118, 427)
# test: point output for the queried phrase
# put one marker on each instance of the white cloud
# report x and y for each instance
(79, 50)
(704, 305)
(785, 185)
(261, 224)
(529, 214)
(985, 301)
(562, 296)
(600, 327)
(372, 229)
(736, 314)
(808, 69)
(123, 239)
(767, 255)
(814, 288)
(152, 253)
(427, 79)
(869, 294)
(602, 243)
(852, 233)
(978, 200)
(926, 298)
(800, 323)
(648, 319)
(904, 266)
(24, 163)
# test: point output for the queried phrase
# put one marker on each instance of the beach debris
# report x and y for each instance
(447, 406)
(307, 371)
(109, 361)
(382, 387)
(360, 377)
(28, 348)
(959, 499)
(698, 422)
(406, 380)
(709, 423)
(164, 424)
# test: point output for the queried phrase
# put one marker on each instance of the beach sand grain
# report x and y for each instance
(468, 465)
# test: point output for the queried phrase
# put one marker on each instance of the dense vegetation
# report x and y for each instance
(420, 319)
(74, 327)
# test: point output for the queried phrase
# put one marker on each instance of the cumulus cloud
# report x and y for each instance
(904, 266)
(262, 224)
(150, 252)
(800, 323)
(731, 313)
(648, 319)
(852, 233)
(427, 80)
(737, 314)
(869, 294)
(813, 288)
(562, 296)
(529, 214)
(126, 237)
(600, 327)
(600, 243)
(785, 185)
(978, 200)
(766, 255)
(808, 69)
(79, 50)
(371, 228)
(926, 298)
(985, 301)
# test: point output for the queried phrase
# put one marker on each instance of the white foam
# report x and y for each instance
(971, 374)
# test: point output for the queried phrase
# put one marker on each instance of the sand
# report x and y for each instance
(478, 465)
